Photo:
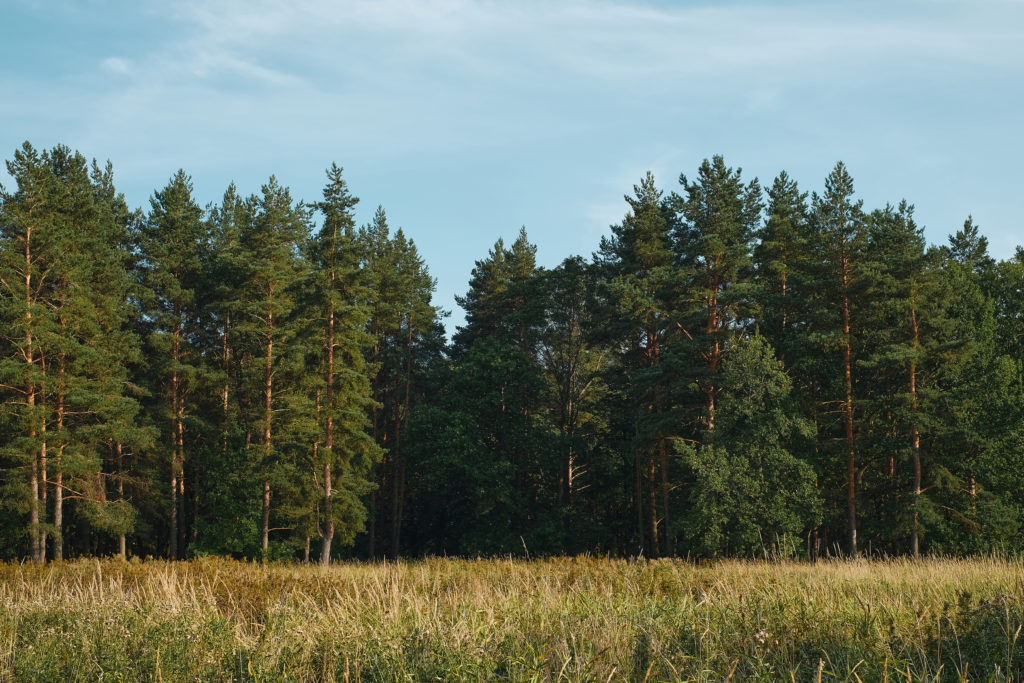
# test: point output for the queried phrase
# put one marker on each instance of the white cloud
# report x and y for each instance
(117, 65)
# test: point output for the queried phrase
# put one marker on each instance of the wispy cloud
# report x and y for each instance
(117, 65)
(570, 101)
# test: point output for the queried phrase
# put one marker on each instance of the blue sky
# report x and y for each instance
(467, 119)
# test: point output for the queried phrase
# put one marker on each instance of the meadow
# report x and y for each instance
(573, 619)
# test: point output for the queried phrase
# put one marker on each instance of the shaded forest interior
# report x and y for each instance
(735, 371)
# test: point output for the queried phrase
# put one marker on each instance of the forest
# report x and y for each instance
(736, 371)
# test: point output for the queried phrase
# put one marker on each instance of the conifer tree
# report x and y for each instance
(401, 317)
(908, 330)
(837, 241)
(271, 246)
(173, 238)
(65, 374)
(347, 451)
(31, 252)
(573, 365)
(644, 279)
(780, 262)
(718, 216)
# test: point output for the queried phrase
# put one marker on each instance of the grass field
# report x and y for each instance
(561, 619)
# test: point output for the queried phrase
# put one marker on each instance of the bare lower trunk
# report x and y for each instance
(653, 502)
(37, 556)
(122, 543)
(916, 448)
(667, 529)
(915, 438)
(638, 484)
(328, 523)
(30, 401)
(181, 504)
(176, 439)
(265, 543)
(58, 493)
(35, 532)
(396, 491)
(44, 485)
(173, 554)
(851, 473)
(58, 513)
(398, 500)
(267, 440)
(43, 478)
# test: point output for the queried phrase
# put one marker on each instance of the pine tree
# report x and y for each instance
(780, 261)
(31, 252)
(644, 281)
(718, 217)
(401, 317)
(347, 452)
(837, 242)
(969, 248)
(173, 238)
(271, 246)
(573, 366)
(908, 330)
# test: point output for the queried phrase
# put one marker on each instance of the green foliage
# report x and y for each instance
(733, 373)
(750, 493)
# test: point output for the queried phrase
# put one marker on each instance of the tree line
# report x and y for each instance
(734, 372)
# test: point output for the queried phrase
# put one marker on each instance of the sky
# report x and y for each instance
(466, 119)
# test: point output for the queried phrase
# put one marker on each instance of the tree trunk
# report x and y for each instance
(265, 542)
(58, 503)
(177, 439)
(714, 354)
(653, 501)
(225, 390)
(378, 438)
(328, 523)
(397, 506)
(122, 543)
(638, 484)
(44, 479)
(42, 468)
(667, 527)
(915, 436)
(30, 402)
(851, 474)
(34, 509)
(267, 441)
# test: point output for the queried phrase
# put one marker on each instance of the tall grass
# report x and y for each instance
(561, 619)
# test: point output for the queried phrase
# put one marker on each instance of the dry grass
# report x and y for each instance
(560, 619)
